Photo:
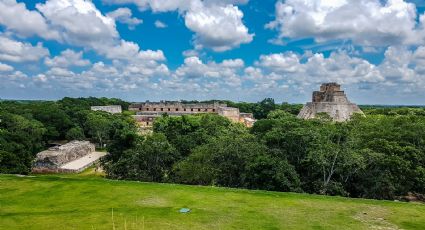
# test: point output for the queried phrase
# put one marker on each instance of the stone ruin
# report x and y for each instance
(147, 112)
(331, 100)
(108, 108)
(52, 159)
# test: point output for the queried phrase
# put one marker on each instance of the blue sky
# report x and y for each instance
(242, 50)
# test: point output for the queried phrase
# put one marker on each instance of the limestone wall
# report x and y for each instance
(337, 111)
(229, 112)
(176, 107)
(145, 120)
(107, 108)
(332, 86)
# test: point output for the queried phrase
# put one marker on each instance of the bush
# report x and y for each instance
(75, 133)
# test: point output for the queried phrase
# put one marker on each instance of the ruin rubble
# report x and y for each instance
(52, 159)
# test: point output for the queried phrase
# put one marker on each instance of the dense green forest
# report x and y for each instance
(380, 155)
(27, 127)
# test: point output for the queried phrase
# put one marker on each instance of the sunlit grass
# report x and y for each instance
(87, 201)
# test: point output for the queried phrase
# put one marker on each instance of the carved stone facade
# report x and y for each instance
(147, 112)
(331, 100)
(177, 108)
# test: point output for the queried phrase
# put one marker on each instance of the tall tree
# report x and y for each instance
(98, 126)
(264, 107)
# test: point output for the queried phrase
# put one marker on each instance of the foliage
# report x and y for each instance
(394, 149)
(27, 127)
(151, 159)
(264, 107)
(20, 139)
(97, 126)
(75, 133)
(377, 156)
(187, 132)
(85, 103)
(380, 155)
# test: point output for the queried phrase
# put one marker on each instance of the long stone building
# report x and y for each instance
(332, 100)
(146, 112)
(107, 108)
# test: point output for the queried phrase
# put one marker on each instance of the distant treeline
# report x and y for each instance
(380, 155)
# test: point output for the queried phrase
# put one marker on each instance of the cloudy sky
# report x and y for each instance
(242, 50)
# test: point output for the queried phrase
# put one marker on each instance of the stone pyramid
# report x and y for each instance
(331, 100)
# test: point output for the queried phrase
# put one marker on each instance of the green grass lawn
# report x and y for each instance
(91, 202)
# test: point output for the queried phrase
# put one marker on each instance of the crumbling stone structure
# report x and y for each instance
(331, 100)
(247, 119)
(229, 112)
(107, 108)
(52, 159)
(147, 112)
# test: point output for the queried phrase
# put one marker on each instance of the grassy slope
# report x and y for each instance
(86, 202)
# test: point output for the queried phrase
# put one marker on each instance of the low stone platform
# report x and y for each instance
(82, 163)
(71, 157)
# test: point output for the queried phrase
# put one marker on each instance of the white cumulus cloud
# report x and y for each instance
(217, 24)
(67, 58)
(365, 22)
(5, 67)
(124, 16)
(12, 80)
(79, 22)
(218, 27)
(160, 24)
(16, 17)
(16, 51)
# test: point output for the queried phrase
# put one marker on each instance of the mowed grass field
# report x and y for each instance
(91, 202)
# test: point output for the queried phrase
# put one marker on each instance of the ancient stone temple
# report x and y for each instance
(331, 100)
